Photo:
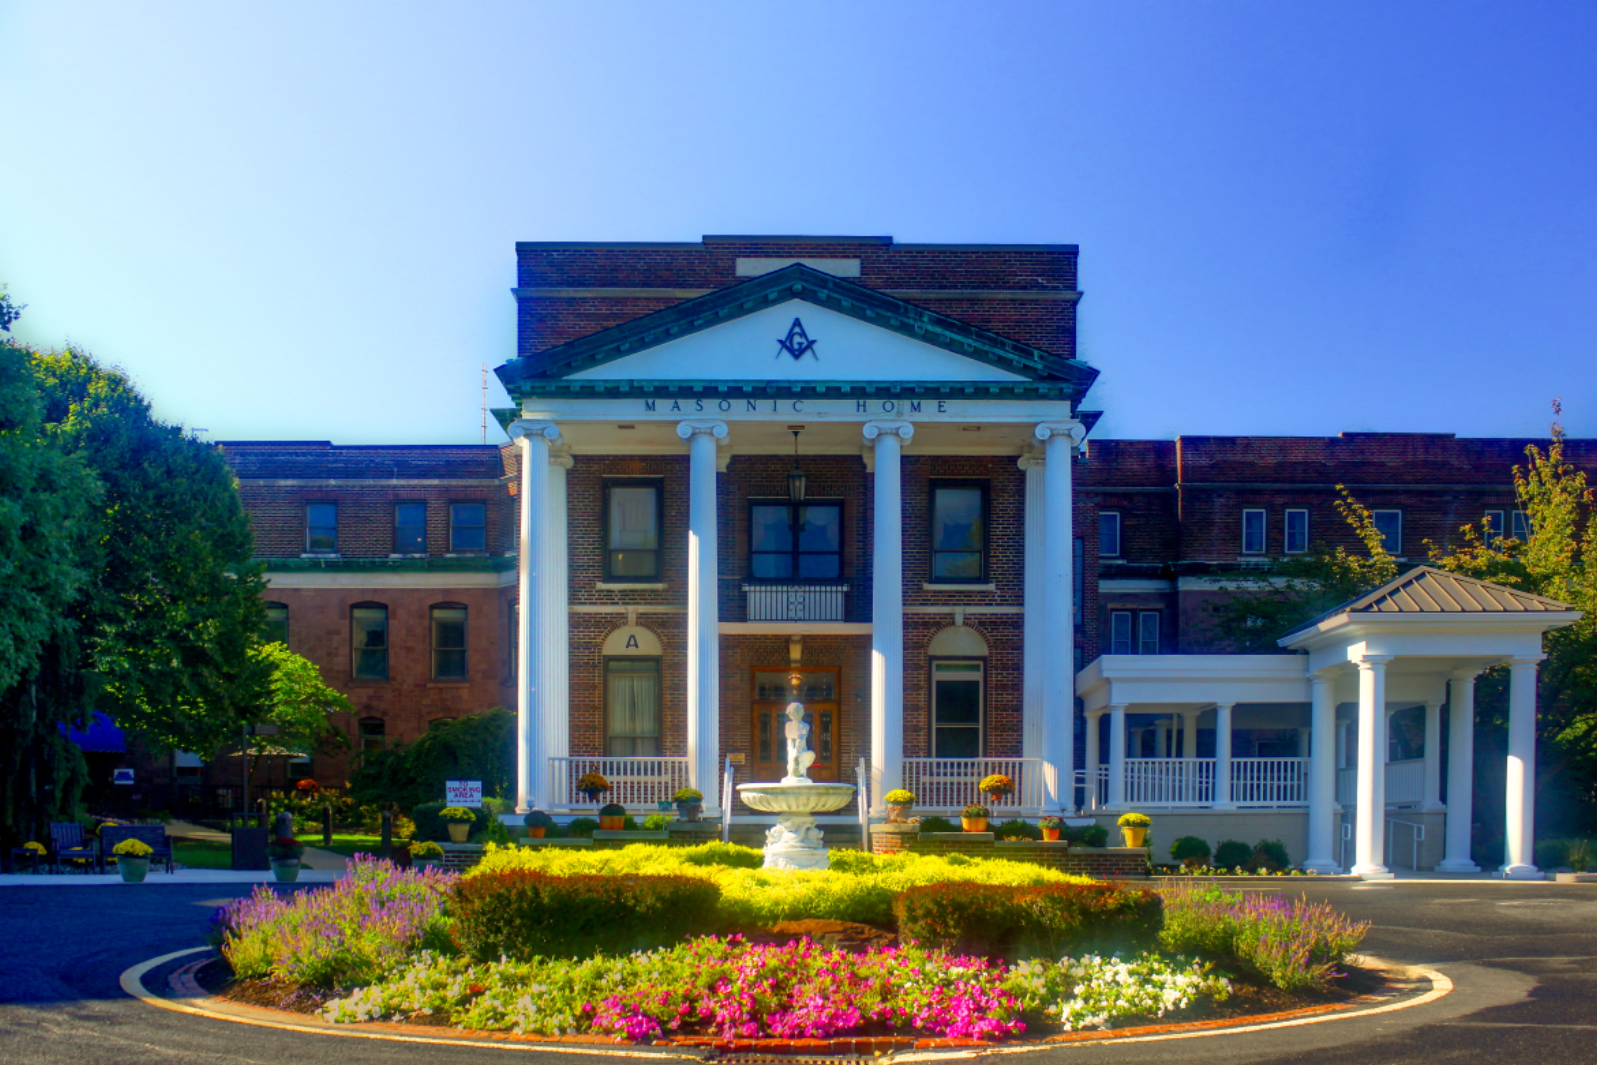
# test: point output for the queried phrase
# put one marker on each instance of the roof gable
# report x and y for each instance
(1426, 590)
(994, 358)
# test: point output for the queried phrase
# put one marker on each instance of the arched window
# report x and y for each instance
(373, 734)
(449, 641)
(276, 628)
(368, 641)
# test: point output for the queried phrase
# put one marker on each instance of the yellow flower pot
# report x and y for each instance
(458, 833)
(1134, 834)
(973, 824)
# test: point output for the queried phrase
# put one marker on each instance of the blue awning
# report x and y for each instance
(101, 737)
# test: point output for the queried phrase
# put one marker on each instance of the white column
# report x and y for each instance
(531, 767)
(1034, 650)
(1460, 774)
(1059, 686)
(1117, 757)
(1091, 796)
(1189, 734)
(1431, 797)
(1322, 774)
(554, 638)
(1222, 756)
(704, 615)
(887, 609)
(1520, 802)
(1369, 831)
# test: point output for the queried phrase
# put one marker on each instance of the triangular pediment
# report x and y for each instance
(795, 327)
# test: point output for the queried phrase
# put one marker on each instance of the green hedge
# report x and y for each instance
(1042, 921)
(521, 914)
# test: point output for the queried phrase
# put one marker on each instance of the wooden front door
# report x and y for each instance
(817, 690)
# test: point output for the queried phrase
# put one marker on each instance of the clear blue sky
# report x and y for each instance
(297, 220)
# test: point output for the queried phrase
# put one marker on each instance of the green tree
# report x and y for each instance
(475, 747)
(296, 705)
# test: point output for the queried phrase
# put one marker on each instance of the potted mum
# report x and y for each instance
(974, 818)
(593, 785)
(459, 819)
(284, 854)
(133, 860)
(899, 804)
(1134, 827)
(612, 816)
(690, 804)
(425, 854)
(1051, 827)
(537, 823)
(996, 786)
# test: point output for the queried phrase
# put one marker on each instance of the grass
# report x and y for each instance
(203, 853)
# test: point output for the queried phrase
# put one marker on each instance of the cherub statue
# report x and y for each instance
(799, 755)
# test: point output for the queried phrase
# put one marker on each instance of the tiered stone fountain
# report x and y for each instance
(795, 841)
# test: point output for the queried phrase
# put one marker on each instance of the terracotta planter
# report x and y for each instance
(691, 811)
(899, 813)
(1050, 835)
(285, 869)
(613, 824)
(973, 824)
(133, 870)
(536, 833)
(1134, 834)
(458, 833)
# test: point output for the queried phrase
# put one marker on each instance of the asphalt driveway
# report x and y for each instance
(1523, 958)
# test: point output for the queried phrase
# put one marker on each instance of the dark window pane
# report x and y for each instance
(276, 628)
(958, 702)
(449, 643)
(410, 528)
(773, 567)
(957, 742)
(957, 520)
(634, 518)
(468, 529)
(956, 565)
(321, 526)
(369, 635)
(1120, 632)
(820, 567)
(1389, 523)
(769, 529)
(1109, 534)
(820, 528)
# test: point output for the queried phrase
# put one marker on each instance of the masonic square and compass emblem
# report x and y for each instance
(797, 343)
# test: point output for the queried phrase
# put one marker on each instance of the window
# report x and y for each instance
(632, 532)
(410, 528)
(795, 541)
(1520, 527)
(373, 734)
(276, 628)
(1493, 527)
(631, 707)
(959, 532)
(1390, 525)
(368, 640)
(1148, 632)
(468, 527)
(1109, 534)
(1253, 532)
(956, 709)
(449, 641)
(1134, 632)
(321, 527)
(1296, 539)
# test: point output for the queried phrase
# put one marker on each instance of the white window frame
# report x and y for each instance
(963, 672)
(1263, 530)
(1286, 531)
(1519, 525)
(1495, 523)
(1143, 618)
(1119, 534)
(1390, 549)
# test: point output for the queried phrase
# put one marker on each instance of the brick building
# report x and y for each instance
(705, 431)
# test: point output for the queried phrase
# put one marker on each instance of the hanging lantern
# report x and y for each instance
(795, 476)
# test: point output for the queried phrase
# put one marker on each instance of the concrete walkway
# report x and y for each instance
(314, 858)
(317, 866)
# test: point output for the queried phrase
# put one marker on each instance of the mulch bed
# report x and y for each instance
(1248, 999)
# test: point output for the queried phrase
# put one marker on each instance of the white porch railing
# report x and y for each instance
(795, 602)
(636, 783)
(1270, 781)
(1093, 798)
(1405, 783)
(1170, 781)
(942, 784)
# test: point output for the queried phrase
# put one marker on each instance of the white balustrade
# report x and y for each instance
(636, 783)
(1093, 797)
(795, 602)
(1270, 781)
(950, 783)
(1170, 781)
(1405, 781)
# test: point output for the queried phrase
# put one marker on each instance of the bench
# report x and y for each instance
(153, 835)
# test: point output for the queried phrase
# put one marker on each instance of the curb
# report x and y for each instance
(694, 1048)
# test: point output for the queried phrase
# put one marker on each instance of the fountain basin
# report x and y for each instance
(807, 797)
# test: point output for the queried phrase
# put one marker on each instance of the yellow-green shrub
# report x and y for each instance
(859, 887)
